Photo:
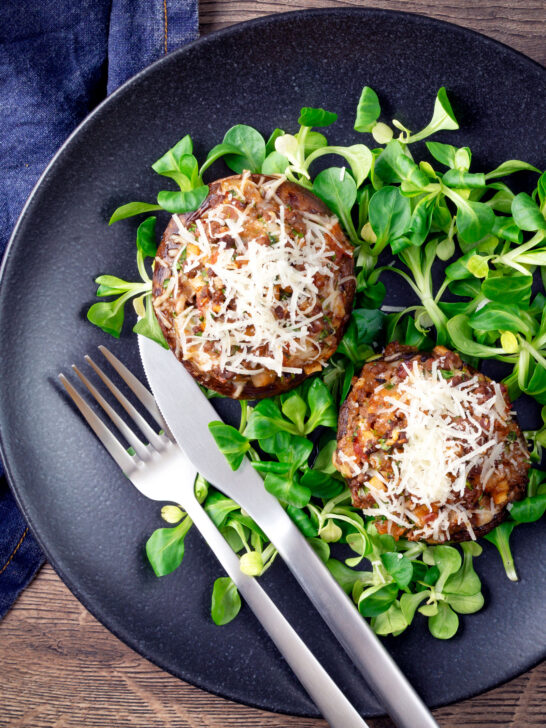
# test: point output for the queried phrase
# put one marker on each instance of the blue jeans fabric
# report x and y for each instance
(58, 60)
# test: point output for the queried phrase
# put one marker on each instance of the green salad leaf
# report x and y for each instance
(470, 254)
(226, 602)
(316, 117)
(367, 111)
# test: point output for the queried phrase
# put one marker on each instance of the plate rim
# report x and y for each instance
(212, 37)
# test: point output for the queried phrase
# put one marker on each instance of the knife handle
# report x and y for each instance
(355, 635)
(326, 695)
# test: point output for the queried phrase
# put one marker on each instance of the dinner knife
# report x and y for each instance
(188, 413)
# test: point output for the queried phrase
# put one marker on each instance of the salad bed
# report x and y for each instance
(406, 219)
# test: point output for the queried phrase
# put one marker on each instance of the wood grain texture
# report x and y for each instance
(59, 668)
(520, 24)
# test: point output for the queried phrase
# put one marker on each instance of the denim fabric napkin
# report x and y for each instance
(58, 60)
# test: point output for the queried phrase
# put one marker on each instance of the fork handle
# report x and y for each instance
(326, 695)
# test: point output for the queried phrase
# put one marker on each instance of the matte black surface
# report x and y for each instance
(91, 522)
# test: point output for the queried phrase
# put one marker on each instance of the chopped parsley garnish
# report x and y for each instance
(182, 257)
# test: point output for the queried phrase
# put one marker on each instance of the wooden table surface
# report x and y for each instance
(60, 668)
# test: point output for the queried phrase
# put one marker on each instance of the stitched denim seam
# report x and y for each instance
(15, 550)
(165, 22)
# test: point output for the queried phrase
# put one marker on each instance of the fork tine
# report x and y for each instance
(152, 437)
(135, 385)
(110, 442)
(125, 430)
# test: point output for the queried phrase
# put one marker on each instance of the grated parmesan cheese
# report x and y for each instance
(275, 282)
(449, 431)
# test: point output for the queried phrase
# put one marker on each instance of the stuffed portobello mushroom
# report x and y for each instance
(254, 289)
(430, 446)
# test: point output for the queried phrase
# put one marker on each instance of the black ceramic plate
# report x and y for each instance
(90, 521)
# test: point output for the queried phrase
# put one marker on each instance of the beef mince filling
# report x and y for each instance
(430, 446)
(254, 289)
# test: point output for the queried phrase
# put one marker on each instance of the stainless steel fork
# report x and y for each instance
(160, 470)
